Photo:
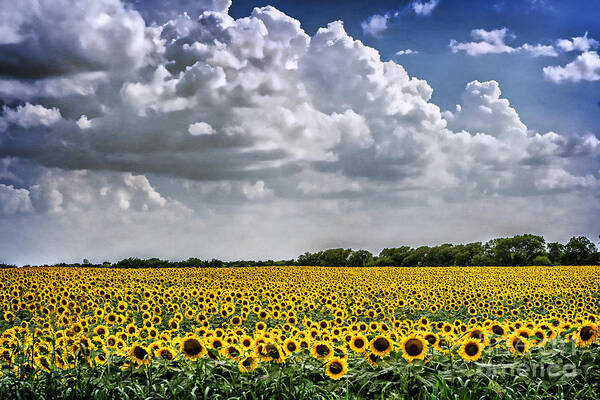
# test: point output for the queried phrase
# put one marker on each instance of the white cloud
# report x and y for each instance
(483, 110)
(579, 43)
(425, 8)
(200, 128)
(255, 191)
(14, 201)
(29, 115)
(494, 42)
(84, 123)
(58, 191)
(375, 25)
(406, 52)
(58, 37)
(586, 67)
(539, 50)
(485, 42)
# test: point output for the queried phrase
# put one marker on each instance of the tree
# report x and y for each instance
(579, 251)
(360, 258)
(542, 260)
(393, 256)
(556, 252)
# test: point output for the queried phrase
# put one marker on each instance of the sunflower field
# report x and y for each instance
(300, 332)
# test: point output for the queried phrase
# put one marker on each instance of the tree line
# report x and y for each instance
(525, 249)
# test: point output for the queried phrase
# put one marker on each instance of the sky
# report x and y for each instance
(261, 130)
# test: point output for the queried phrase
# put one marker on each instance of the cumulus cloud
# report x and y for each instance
(200, 128)
(14, 201)
(50, 38)
(494, 42)
(29, 116)
(425, 8)
(578, 43)
(406, 52)
(539, 50)
(484, 42)
(375, 24)
(586, 67)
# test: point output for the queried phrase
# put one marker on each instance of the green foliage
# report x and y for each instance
(545, 373)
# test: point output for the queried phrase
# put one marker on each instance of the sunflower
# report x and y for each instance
(101, 330)
(246, 342)
(336, 368)
(248, 364)
(539, 336)
(432, 339)
(290, 346)
(518, 345)
(358, 343)
(192, 347)
(413, 347)
(372, 359)
(131, 329)
(232, 352)
(215, 343)
(586, 334)
(471, 350)
(111, 318)
(479, 334)
(497, 329)
(139, 354)
(321, 351)
(165, 353)
(101, 357)
(270, 351)
(111, 341)
(381, 345)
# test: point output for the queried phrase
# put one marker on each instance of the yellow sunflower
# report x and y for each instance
(192, 347)
(413, 348)
(471, 349)
(336, 368)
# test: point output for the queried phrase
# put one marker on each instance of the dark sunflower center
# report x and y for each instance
(322, 350)
(519, 346)
(233, 351)
(166, 355)
(430, 338)
(539, 335)
(497, 330)
(413, 347)
(139, 352)
(192, 347)
(359, 343)
(291, 346)
(335, 368)
(248, 362)
(381, 344)
(586, 333)
(272, 351)
(246, 343)
(471, 349)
